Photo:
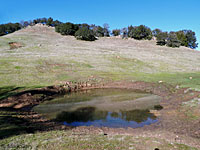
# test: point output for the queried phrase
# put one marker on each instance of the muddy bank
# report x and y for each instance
(172, 125)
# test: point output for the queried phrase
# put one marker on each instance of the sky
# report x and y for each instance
(167, 15)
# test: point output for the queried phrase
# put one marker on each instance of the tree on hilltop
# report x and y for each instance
(106, 30)
(85, 34)
(116, 32)
(50, 21)
(172, 40)
(124, 32)
(155, 32)
(141, 32)
(67, 28)
(98, 30)
(162, 38)
(187, 38)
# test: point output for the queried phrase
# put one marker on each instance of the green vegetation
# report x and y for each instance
(70, 140)
(140, 32)
(85, 34)
(162, 38)
(45, 61)
(185, 38)
(172, 40)
(116, 32)
(155, 32)
(67, 28)
(9, 28)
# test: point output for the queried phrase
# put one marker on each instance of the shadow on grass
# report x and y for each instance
(8, 91)
(11, 124)
(15, 122)
(23, 120)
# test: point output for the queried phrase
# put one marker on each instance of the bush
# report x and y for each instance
(99, 32)
(182, 38)
(155, 32)
(162, 38)
(85, 34)
(191, 39)
(187, 38)
(9, 28)
(49, 21)
(106, 30)
(67, 28)
(130, 28)
(172, 40)
(116, 32)
(141, 32)
(124, 32)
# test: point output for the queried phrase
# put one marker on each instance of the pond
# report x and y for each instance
(116, 108)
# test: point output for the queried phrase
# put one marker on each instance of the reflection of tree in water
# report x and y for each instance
(137, 115)
(115, 115)
(83, 114)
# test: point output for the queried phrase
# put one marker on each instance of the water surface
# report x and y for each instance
(102, 107)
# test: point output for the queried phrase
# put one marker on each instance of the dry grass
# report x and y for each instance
(50, 58)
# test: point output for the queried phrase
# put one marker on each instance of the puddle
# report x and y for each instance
(117, 108)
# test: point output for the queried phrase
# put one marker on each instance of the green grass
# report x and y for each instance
(69, 140)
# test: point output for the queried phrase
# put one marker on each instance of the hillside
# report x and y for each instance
(48, 58)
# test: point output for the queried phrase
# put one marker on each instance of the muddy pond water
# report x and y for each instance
(116, 108)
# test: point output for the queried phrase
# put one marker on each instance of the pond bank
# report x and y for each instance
(173, 125)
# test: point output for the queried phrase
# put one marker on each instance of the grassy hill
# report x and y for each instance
(48, 58)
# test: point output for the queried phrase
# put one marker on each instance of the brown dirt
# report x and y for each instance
(14, 45)
(173, 125)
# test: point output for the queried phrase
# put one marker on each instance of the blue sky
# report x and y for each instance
(168, 15)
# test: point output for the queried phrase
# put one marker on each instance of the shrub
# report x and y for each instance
(141, 32)
(9, 28)
(124, 33)
(155, 32)
(182, 38)
(187, 38)
(49, 21)
(130, 28)
(106, 30)
(85, 34)
(191, 39)
(67, 28)
(161, 38)
(116, 32)
(172, 40)
(99, 32)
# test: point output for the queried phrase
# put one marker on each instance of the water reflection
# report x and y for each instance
(102, 107)
(87, 116)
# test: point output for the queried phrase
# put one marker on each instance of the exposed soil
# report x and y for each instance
(14, 45)
(173, 125)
